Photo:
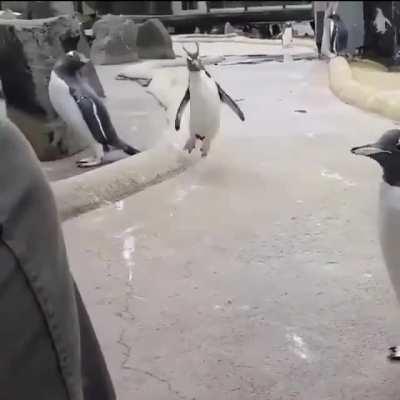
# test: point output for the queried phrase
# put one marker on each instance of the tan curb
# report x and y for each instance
(349, 90)
(113, 182)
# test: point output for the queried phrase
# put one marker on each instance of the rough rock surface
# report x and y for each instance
(39, 9)
(115, 40)
(9, 14)
(28, 51)
(154, 41)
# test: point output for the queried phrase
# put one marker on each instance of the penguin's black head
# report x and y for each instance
(386, 151)
(193, 61)
(334, 17)
(71, 62)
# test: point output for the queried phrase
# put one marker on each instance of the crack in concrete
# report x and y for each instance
(127, 349)
(126, 354)
(126, 312)
(164, 381)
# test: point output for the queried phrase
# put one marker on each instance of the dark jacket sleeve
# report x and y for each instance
(40, 327)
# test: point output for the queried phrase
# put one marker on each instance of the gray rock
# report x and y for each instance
(9, 14)
(18, 6)
(115, 40)
(153, 40)
(40, 9)
(28, 51)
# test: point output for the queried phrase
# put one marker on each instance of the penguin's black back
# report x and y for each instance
(342, 35)
(94, 112)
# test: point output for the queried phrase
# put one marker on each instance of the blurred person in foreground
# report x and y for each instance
(48, 348)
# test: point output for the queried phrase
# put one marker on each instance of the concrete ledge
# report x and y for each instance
(113, 182)
(369, 98)
(235, 38)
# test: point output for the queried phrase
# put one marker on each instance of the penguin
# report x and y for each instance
(386, 151)
(339, 36)
(205, 96)
(287, 36)
(82, 109)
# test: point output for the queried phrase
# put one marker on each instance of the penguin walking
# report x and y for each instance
(287, 36)
(386, 151)
(82, 110)
(339, 36)
(205, 96)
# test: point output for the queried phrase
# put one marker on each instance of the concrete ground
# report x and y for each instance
(256, 274)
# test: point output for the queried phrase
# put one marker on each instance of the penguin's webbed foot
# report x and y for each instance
(190, 145)
(205, 149)
(89, 162)
(394, 353)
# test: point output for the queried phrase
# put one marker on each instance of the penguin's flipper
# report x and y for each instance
(181, 109)
(227, 100)
(96, 117)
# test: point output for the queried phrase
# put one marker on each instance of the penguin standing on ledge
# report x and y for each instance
(339, 36)
(205, 96)
(82, 110)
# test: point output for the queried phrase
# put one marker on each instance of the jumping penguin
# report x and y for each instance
(339, 36)
(386, 151)
(205, 96)
(82, 110)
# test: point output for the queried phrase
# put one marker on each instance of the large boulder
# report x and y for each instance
(115, 40)
(9, 14)
(40, 9)
(153, 40)
(28, 51)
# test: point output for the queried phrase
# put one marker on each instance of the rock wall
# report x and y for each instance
(153, 40)
(28, 51)
(119, 40)
(115, 40)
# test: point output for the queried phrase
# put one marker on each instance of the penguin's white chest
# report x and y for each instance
(389, 225)
(66, 107)
(205, 105)
(287, 37)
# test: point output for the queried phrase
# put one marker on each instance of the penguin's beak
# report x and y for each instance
(84, 59)
(368, 150)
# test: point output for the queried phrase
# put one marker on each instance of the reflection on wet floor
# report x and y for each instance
(262, 58)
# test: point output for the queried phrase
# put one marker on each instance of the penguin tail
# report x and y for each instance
(126, 148)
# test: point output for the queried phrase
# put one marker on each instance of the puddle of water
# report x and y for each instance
(298, 346)
(127, 254)
(334, 175)
(310, 134)
(182, 193)
(119, 205)
(262, 58)
(126, 231)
